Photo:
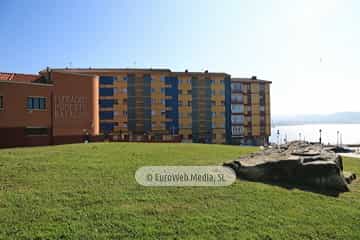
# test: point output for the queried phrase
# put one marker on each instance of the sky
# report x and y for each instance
(309, 49)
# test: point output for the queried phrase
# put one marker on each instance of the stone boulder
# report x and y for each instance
(296, 162)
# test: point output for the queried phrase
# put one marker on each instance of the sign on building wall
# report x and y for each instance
(70, 107)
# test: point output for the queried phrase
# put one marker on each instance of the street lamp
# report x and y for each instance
(341, 143)
(320, 136)
(337, 138)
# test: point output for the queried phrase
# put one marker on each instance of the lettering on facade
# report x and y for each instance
(70, 107)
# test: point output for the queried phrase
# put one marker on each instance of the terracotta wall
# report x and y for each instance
(71, 109)
(76, 108)
(15, 112)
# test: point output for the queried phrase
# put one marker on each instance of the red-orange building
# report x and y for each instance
(70, 105)
(55, 108)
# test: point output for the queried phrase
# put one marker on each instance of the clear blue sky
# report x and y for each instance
(309, 49)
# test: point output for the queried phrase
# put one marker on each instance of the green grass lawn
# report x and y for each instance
(88, 191)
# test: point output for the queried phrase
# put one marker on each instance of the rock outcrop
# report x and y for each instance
(296, 162)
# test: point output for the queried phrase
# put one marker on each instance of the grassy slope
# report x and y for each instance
(89, 191)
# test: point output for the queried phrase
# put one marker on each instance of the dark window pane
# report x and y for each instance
(107, 80)
(106, 91)
(36, 131)
(105, 115)
(36, 103)
(30, 103)
(107, 103)
(42, 103)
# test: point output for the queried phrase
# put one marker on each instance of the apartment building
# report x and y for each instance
(250, 111)
(161, 105)
(143, 105)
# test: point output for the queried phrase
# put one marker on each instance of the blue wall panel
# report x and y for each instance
(106, 91)
(227, 82)
(173, 114)
(106, 115)
(107, 103)
(107, 127)
(107, 80)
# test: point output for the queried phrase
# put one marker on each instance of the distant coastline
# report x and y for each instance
(334, 118)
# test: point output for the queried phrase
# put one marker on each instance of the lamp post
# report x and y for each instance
(337, 138)
(341, 140)
(320, 136)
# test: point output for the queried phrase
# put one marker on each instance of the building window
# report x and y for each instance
(213, 125)
(36, 103)
(107, 103)
(236, 98)
(107, 80)
(1, 102)
(107, 127)
(237, 108)
(237, 130)
(106, 115)
(38, 131)
(106, 91)
(213, 92)
(189, 103)
(262, 87)
(237, 119)
(152, 90)
(162, 90)
(124, 101)
(125, 113)
(236, 86)
(213, 114)
(189, 92)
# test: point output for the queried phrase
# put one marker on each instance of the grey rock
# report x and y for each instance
(296, 162)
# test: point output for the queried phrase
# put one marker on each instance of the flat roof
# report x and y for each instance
(128, 70)
(249, 80)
